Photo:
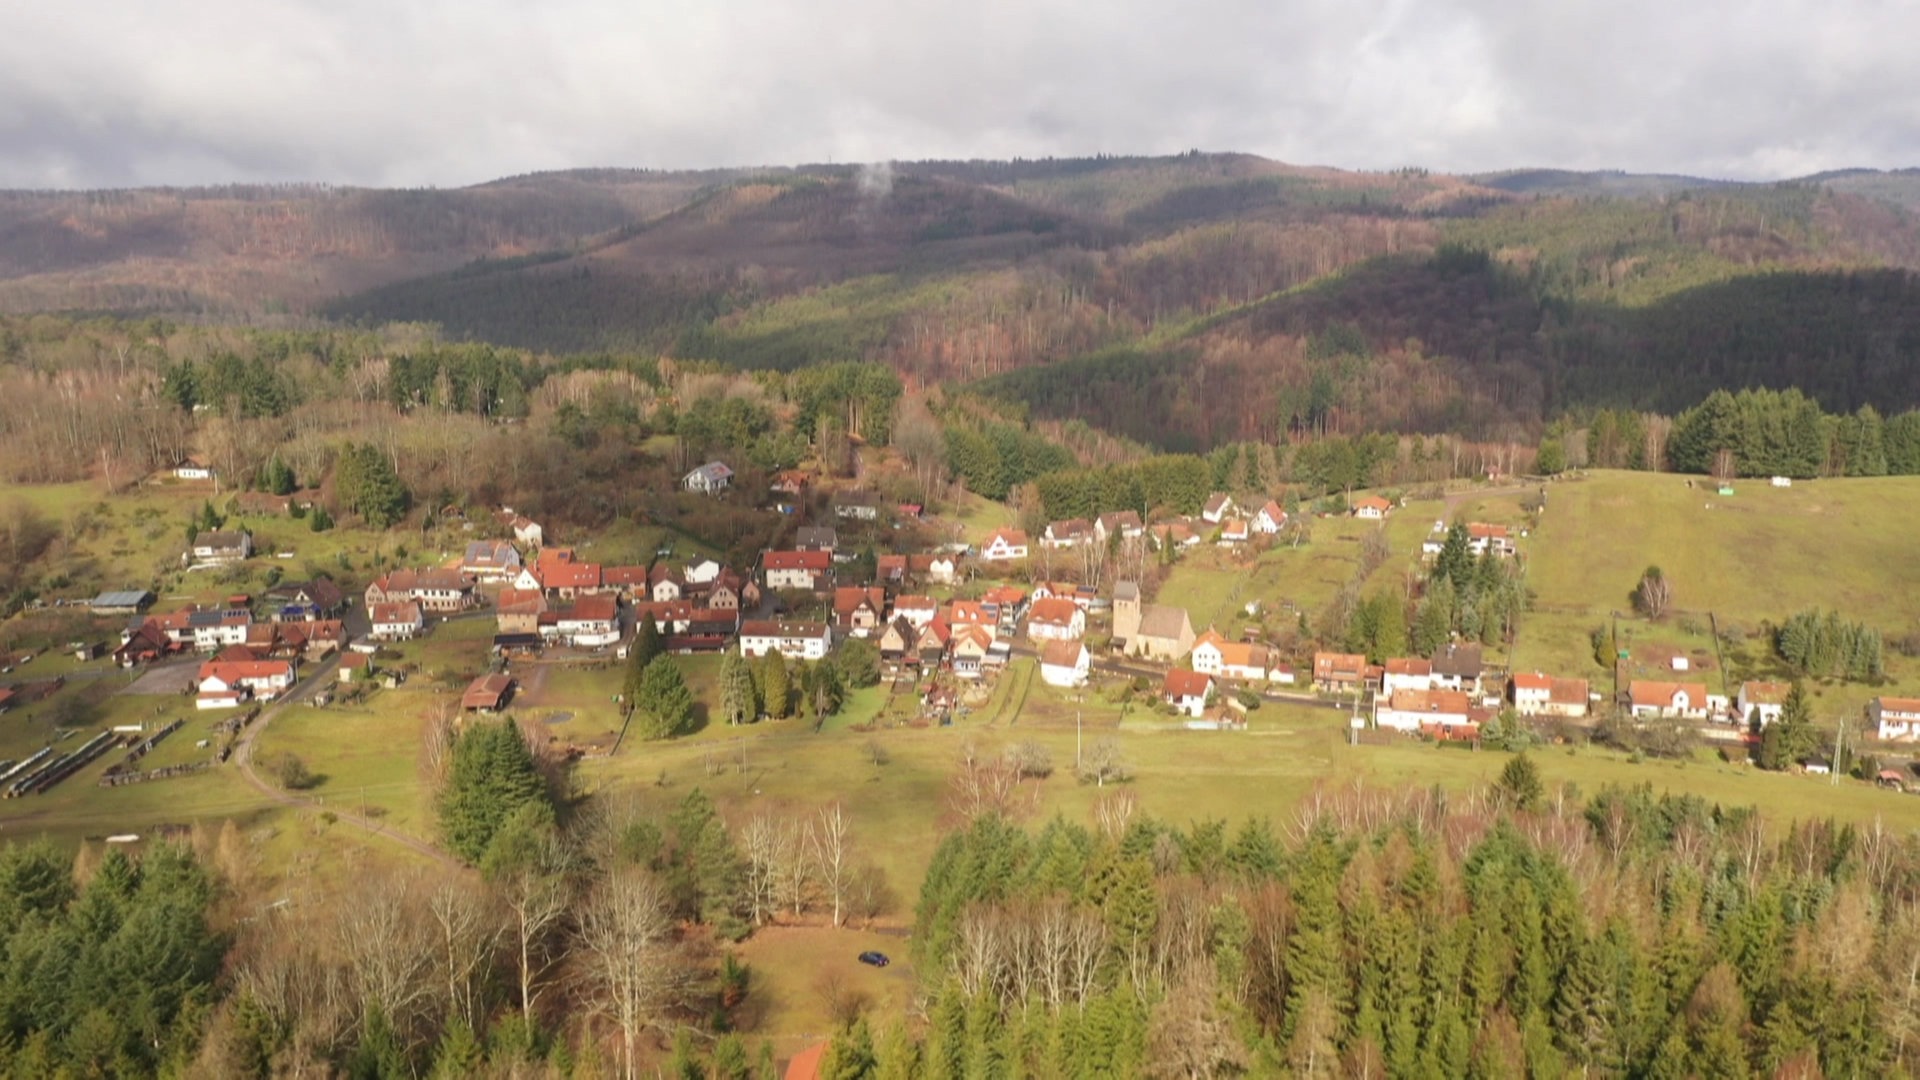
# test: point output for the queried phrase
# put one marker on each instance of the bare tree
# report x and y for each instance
(760, 841)
(827, 840)
(388, 944)
(468, 931)
(1114, 812)
(983, 784)
(536, 896)
(1103, 764)
(1655, 594)
(629, 960)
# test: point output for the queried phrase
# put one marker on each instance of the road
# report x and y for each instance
(243, 758)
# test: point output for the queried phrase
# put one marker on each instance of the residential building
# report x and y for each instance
(1339, 672)
(1004, 545)
(305, 601)
(525, 530)
(1457, 666)
(810, 570)
(1760, 703)
(396, 621)
(1413, 710)
(237, 676)
(193, 469)
(216, 629)
(932, 643)
(627, 582)
(1234, 532)
(963, 613)
(701, 571)
(710, 479)
(1178, 533)
(589, 622)
(1008, 603)
(1241, 660)
(1372, 508)
(1186, 691)
(433, 590)
(491, 560)
(969, 649)
(816, 538)
(1895, 717)
(1219, 507)
(664, 583)
(1056, 619)
(1482, 538)
(1269, 519)
(856, 505)
(917, 610)
(1069, 533)
(1122, 523)
(940, 569)
(890, 570)
(793, 640)
(518, 611)
(897, 640)
(1681, 701)
(1065, 663)
(223, 546)
(1407, 673)
(354, 666)
(731, 592)
(564, 576)
(859, 611)
(1534, 694)
(669, 617)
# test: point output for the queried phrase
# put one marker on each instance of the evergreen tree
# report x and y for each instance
(1520, 783)
(850, 1054)
(776, 690)
(739, 701)
(1790, 738)
(492, 774)
(664, 703)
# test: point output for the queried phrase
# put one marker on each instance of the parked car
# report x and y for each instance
(877, 959)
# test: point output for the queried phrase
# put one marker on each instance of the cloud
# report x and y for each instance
(418, 92)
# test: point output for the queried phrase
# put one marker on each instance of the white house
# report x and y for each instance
(1005, 545)
(223, 684)
(222, 546)
(193, 469)
(709, 479)
(1125, 523)
(1482, 538)
(702, 572)
(793, 640)
(491, 560)
(797, 569)
(1186, 691)
(1372, 508)
(1069, 533)
(1244, 661)
(917, 610)
(1895, 717)
(1234, 532)
(397, 621)
(592, 622)
(1056, 619)
(1219, 506)
(1065, 663)
(943, 569)
(1767, 699)
(1535, 694)
(1270, 519)
(1411, 710)
(215, 630)
(1683, 701)
(1407, 673)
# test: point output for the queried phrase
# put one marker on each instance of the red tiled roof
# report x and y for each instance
(1183, 683)
(797, 560)
(405, 611)
(1054, 611)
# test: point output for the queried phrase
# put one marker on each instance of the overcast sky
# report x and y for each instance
(419, 92)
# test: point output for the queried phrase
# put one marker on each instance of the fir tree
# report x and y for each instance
(664, 703)
(492, 775)
(739, 701)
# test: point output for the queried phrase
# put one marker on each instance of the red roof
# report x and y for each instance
(1054, 611)
(770, 628)
(1409, 666)
(572, 575)
(1062, 654)
(405, 611)
(1005, 594)
(232, 671)
(848, 598)
(806, 1064)
(798, 560)
(1181, 683)
(592, 609)
(968, 611)
(623, 577)
(486, 692)
(1532, 681)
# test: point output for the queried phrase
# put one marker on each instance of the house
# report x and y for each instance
(961, 613)
(1186, 691)
(590, 623)
(1781, 482)
(1407, 673)
(701, 571)
(1178, 534)
(1122, 523)
(1457, 667)
(488, 693)
(941, 569)
(1270, 519)
(897, 640)
(1372, 508)
(731, 592)
(144, 645)
(564, 577)
(518, 611)
(1069, 533)
(626, 582)
(1685, 701)
(1339, 672)
(793, 640)
(669, 617)
(858, 611)
(790, 481)
(809, 570)
(706, 630)
(222, 546)
(1162, 633)
(1760, 703)
(1218, 508)
(231, 678)
(1413, 710)
(355, 666)
(525, 530)
(306, 601)
(664, 583)
(218, 628)
(490, 560)
(710, 479)
(969, 649)
(194, 469)
(917, 610)
(1482, 538)
(434, 590)
(1242, 660)
(931, 646)
(1534, 694)
(1004, 545)
(1065, 663)
(856, 505)
(890, 570)
(1056, 619)
(1234, 532)
(1008, 603)
(816, 538)
(1895, 717)
(396, 621)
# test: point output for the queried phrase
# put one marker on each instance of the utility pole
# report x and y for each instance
(1076, 741)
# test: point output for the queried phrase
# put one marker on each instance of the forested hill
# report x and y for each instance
(1188, 300)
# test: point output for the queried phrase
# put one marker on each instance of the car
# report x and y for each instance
(876, 959)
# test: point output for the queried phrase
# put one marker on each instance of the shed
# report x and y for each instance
(121, 602)
(487, 693)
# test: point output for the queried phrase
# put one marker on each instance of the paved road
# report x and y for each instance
(243, 757)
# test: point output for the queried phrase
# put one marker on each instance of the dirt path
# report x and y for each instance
(243, 757)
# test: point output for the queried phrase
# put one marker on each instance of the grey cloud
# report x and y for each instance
(412, 92)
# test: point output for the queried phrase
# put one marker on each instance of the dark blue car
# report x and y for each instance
(877, 959)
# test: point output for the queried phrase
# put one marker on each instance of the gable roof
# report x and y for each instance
(398, 611)
(1272, 512)
(1372, 502)
(1457, 661)
(1432, 702)
(486, 691)
(1328, 663)
(711, 472)
(220, 538)
(818, 561)
(1011, 538)
(592, 609)
(1218, 502)
(1765, 693)
(1162, 621)
(848, 598)
(1409, 665)
(1660, 695)
(1063, 654)
(1053, 611)
(816, 536)
(775, 629)
(1183, 683)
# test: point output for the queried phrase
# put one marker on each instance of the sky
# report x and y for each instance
(111, 93)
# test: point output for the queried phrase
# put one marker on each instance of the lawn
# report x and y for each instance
(365, 758)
